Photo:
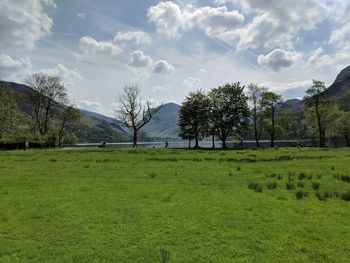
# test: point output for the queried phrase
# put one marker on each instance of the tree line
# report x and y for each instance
(44, 113)
(236, 111)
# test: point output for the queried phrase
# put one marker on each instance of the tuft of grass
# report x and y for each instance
(256, 187)
(165, 255)
(230, 174)
(315, 185)
(272, 185)
(301, 194)
(346, 196)
(279, 177)
(333, 168)
(301, 176)
(301, 184)
(290, 186)
(152, 175)
(239, 168)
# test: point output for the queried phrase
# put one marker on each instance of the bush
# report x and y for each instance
(315, 185)
(272, 185)
(290, 186)
(301, 194)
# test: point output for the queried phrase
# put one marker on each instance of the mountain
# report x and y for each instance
(341, 85)
(164, 123)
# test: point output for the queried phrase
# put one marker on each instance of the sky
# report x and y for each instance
(169, 48)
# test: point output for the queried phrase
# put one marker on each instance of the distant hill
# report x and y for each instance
(164, 125)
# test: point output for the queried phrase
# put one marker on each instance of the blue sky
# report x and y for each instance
(169, 48)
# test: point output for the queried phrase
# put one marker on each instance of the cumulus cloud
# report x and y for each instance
(318, 58)
(7, 63)
(139, 59)
(24, 23)
(171, 19)
(68, 76)
(133, 37)
(192, 83)
(163, 67)
(279, 59)
(276, 23)
(90, 46)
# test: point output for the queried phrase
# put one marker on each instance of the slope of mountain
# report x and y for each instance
(341, 85)
(164, 125)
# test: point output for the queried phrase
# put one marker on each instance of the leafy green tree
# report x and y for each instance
(343, 126)
(270, 101)
(255, 95)
(317, 101)
(229, 114)
(69, 121)
(47, 94)
(193, 120)
(10, 114)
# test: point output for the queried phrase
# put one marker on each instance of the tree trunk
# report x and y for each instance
(213, 141)
(272, 144)
(257, 142)
(224, 146)
(322, 138)
(189, 143)
(256, 133)
(196, 143)
(134, 144)
(347, 141)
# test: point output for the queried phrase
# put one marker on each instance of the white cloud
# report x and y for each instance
(7, 63)
(92, 106)
(90, 46)
(158, 89)
(82, 16)
(23, 23)
(279, 59)
(68, 76)
(292, 89)
(133, 37)
(319, 59)
(171, 19)
(139, 59)
(163, 67)
(192, 83)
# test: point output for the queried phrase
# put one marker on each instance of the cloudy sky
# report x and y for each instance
(169, 48)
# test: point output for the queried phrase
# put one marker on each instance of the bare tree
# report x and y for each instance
(133, 112)
(41, 102)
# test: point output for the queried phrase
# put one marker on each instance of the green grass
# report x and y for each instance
(157, 205)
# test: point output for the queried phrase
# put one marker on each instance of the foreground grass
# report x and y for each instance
(155, 205)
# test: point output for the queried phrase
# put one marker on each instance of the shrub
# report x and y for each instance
(315, 185)
(301, 184)
(290, 186)
(272, 185)
(302, 176)
(301, 194)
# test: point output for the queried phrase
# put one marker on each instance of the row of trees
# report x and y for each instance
(233, 110)
(44, 111)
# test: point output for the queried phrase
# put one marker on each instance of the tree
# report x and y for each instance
(317, 100)
(134, 113)
(255, 97)
(43, 100)
(343, 126)
(193, 120)
(69, 121)
(9, 112)
(230, 111)
(270, 101)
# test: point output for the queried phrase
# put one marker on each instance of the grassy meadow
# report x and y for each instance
(165, 205)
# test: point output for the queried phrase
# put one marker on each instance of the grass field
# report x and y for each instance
(157, 205)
